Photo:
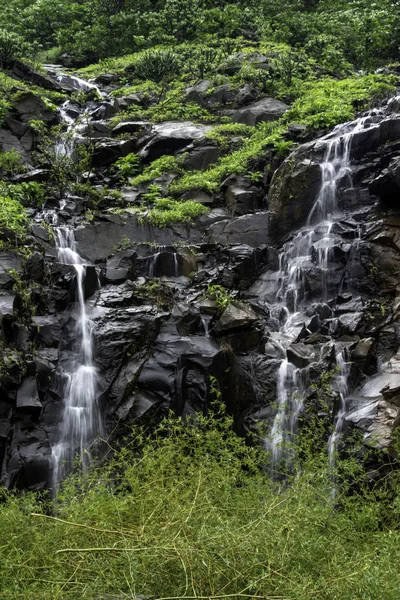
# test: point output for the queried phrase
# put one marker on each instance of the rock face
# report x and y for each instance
(262, 294)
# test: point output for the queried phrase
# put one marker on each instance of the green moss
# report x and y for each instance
(162, 212)
(327, 102)
(164, 164)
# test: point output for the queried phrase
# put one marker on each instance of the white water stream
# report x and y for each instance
(81, 421)
(311, 246)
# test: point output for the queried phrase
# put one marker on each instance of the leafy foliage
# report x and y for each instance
(13, 217)
(194, 499)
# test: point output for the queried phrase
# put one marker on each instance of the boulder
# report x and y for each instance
(242, 196)
(387, 184)
(22, 71)
(107, 152)
(202, 157)
(129, 100)
(131, 127)
(251, 230)
(267, 109)
(197, 93)
(31, 107)
(47, 330)
(293, 191)
(9, 142)
(7, 305)
(235, 317)
(35, 267)
(245, 95)
(169, 137)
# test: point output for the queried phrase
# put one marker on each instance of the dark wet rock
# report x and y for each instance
(16, 127)
(105, 110)
(106, 78)
(301, 355)
(387, 184)
(9, 142)
(28, 396)
(22, 71)
(202, 157)
(47, 330)
(107, 152)
(39, 175)
(197, 93)
(293, 191)
(31, 107)
(40, 232)
(115, 275)
(245, 95)
(35, 267)
(7, 305)
(234, 317)
(130, 100)
(362, 353)
(242, 196)
(251, 230)
(132, 127)
(267, 109)
(169, 137)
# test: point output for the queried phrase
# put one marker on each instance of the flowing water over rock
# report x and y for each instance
(81, 422)
(312, 247)
(107, 347)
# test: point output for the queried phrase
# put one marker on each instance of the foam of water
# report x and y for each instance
(81, 421)
(311, 246)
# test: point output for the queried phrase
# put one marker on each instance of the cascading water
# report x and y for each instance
(341, 385)
(311, 246)
(81, 422)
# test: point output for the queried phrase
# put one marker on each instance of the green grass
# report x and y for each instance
(192, 513)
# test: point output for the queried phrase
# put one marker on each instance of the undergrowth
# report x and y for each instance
(191, 512)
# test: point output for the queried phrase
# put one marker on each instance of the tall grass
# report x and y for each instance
(191, 513)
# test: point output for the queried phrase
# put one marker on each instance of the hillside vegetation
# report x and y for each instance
(190, 510)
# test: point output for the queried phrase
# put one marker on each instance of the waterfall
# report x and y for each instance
(310, 246)
(81, 421)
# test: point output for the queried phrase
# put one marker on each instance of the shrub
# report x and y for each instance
(219, 295)
(164, 164)
(158, 65)
(13, 218)
(12, 46)
(195, 500)
(11, 163)
(127, 166)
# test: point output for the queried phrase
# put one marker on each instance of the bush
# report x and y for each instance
(158, 65)
(127, 166)
(12, 46)
(166, 211)
(13, 218)
(11, 163)
(195, 500)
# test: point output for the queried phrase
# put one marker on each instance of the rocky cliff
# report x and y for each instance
(179, 309)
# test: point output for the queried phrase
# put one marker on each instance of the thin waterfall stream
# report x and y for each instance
(81, 422)
(311, 245)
